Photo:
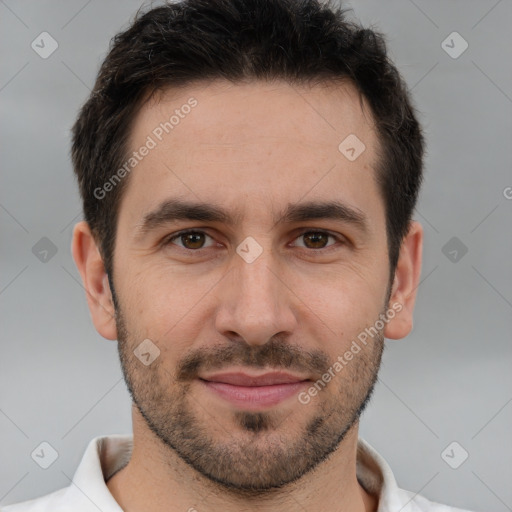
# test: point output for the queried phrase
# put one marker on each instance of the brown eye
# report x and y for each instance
(315, 239)
(192, 240)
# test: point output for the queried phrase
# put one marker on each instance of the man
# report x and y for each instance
(248, 171)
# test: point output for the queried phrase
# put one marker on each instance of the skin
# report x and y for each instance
(252, 149)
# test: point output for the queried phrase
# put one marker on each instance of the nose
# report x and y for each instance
(255, 302)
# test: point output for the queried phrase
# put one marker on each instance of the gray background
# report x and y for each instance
(450, 380)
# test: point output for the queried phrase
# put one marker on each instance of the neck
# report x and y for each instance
(157, 479)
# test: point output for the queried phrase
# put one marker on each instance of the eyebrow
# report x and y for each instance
(173, 210)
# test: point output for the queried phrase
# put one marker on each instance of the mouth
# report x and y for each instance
(254, 392)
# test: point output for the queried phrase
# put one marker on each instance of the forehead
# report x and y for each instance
(253, 144)
(232, 111)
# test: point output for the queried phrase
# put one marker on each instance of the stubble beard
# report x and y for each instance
(259, 452)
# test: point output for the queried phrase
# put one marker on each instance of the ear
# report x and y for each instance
(90, 265)
(405, 284)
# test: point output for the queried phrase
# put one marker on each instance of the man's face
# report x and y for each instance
(265, 293)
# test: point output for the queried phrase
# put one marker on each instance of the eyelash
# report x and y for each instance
(168, 240)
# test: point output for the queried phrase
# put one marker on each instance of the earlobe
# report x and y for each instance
(405, 284)
(95, 280)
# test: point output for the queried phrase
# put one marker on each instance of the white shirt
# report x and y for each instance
(105, 455)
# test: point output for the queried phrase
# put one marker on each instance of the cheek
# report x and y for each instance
(345, 289)
(337, 306)
(157, 291)
(168, 308)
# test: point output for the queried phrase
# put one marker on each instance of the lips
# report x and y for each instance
(254, 392)
(243, 379)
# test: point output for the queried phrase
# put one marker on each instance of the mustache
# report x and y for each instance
(276, 354)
